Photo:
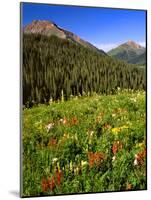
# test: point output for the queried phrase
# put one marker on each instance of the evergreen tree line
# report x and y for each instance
(52, 66)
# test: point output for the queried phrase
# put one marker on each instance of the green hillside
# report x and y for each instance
(131, 53)
(140, 59)
(54, 67)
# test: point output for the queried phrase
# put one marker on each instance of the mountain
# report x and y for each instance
(49, 28)
(140, 59)
(58, 63)
(130, 52)
(53, 67)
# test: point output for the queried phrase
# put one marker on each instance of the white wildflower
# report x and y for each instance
(61, 120)
(83, 163)
(76, 170)
(54, 160)
(113, 159)
(91, 133)
(50, 100)
(133, 99)
(135, 162)
(49, 126)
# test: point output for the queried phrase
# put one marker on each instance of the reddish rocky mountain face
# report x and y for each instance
(49, 28)
(133, 44)
(45, 28)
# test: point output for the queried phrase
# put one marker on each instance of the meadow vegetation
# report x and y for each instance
(91, 143)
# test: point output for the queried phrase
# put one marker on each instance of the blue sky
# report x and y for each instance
(105, 28)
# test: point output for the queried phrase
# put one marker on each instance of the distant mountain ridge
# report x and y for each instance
(130, 52)
(49, 28)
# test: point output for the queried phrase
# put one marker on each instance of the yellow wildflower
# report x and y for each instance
(124, 127)
(116, 130)
(141, 144)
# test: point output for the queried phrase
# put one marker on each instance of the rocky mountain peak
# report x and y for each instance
(38, 26)
(133, 44)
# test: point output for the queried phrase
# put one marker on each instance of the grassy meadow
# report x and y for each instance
(85, 144)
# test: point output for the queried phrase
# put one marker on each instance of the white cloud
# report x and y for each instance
(143, 44)
(106, 47)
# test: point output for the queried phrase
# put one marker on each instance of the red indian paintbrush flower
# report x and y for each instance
(48, 184)
(52, 142)
(95, 158)
(58, 177)
(44, 185)
(91, 159)
(139, 158)
(117, 145)
(107, 126)
(129, 186)
(74, 121)
(51, 183)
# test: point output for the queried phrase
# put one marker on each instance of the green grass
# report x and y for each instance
(93, 144)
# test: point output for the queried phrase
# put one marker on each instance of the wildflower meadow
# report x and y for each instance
(85, 144)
